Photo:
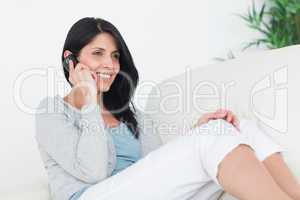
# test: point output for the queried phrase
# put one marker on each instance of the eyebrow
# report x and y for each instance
(102, 49)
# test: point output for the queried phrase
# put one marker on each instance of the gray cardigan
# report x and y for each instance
(75, 148)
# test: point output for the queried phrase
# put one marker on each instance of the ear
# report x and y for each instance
(66, 53)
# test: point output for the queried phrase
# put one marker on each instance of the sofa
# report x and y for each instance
(262, 86)
(272, 75)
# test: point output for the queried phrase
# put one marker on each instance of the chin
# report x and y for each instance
(104, 86)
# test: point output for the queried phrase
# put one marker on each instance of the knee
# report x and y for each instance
(238, 154)
(243, 148)
(235, 159)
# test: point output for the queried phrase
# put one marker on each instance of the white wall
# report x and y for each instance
(164, 37)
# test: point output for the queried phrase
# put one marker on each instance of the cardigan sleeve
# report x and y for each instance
(80, 146)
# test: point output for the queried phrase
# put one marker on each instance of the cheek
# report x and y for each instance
(92, 64)
(117, 69)
(88, 62)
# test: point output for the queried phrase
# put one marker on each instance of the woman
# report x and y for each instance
(96, 146)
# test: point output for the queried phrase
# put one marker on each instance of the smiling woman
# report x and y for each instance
(98, 147)
(98, 66)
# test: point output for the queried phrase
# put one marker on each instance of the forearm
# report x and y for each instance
(77, 143)
(92, 144)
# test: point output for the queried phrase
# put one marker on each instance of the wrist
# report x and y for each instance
(82, 96)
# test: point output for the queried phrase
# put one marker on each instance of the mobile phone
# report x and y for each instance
(67, 61)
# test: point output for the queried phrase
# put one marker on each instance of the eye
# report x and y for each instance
(116, 55)
(97, 53)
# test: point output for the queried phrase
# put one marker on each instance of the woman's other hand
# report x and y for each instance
(219, 114)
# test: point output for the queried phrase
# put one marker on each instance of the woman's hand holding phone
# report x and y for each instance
(84, 81)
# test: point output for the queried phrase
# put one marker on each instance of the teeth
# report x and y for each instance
(102, 75)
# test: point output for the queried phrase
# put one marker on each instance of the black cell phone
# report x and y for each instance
(67, 61)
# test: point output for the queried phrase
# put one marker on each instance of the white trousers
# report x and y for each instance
(186, 167)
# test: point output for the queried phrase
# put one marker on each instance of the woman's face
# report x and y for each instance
(101, 55)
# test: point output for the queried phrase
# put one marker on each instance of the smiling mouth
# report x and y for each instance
(104, 75)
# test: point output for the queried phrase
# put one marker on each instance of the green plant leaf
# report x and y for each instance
(277, 20)
(262, 12)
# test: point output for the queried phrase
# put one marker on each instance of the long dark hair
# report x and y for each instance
(122, 89)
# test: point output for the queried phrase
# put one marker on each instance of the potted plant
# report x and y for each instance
(277, 20)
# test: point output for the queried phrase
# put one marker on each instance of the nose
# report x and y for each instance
(107, 62)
